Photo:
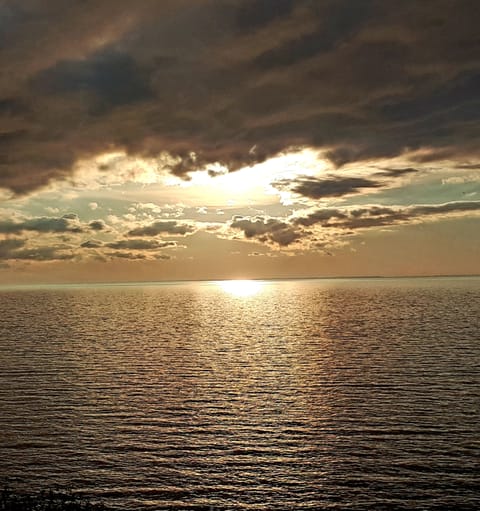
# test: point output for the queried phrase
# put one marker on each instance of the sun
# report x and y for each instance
(249, 185)
(241, 288)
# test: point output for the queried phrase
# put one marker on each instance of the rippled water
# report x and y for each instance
(359, 394)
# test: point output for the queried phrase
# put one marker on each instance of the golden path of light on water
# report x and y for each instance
(241, 288)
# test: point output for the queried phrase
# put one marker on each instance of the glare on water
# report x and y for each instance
(241, 288)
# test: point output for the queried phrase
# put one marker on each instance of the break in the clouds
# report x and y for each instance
(235, 82)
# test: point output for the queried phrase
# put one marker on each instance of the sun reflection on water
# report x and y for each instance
(241, 288)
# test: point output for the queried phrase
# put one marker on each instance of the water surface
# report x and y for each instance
(354, 394)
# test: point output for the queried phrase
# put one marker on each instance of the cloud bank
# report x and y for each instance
(235, 82)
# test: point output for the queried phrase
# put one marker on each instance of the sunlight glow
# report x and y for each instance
(250, 185)
(241, 288)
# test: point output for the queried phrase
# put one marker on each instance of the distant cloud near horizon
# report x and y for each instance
(376, 216)
(208, 81)
(288, 232)
(17, 249)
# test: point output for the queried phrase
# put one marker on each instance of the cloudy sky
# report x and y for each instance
(188, 139)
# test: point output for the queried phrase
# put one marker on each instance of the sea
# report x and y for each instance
(338, 394)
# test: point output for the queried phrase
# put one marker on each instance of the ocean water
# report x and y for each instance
(321, 394)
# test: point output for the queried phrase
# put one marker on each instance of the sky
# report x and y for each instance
(225, 139)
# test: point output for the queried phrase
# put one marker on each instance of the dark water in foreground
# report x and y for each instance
(357, 394)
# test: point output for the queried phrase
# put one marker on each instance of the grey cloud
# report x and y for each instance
(378, 216)
(92, 244)
(42, 254)
(70, 216)
(16, 249)
(125, 247)
(9, 245)
(450, 207)
(361, 80)
(255, 14)
(320, 216)
(140, 244)
(333, 186)
(97, 225)
(67, 223)
(340, 186)
(344, 220)
(267, 230)
(469, 166)
(127, 255)
(112, 78)
(396, 172)
(343, 19)
(171, 227)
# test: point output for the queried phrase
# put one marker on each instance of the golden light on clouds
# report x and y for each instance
(250, 185)
(215, 186)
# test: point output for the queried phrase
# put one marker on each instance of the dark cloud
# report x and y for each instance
(71, 216)
(450, 207)
(269, 230)
(9, 245)
(16, 249)
(67, 223)
(255, 14)
(92, 244)
(333, 186)
(320, 216)
(140, 244)
(170, 227)
(134, 256)
(110, 77)
(42, 254)
(378, 216)
(129, 248)
(340, 186)
(97, 225)
(340, 20)
(396, 172)
(469, 166)
(361, 80)
(344, 220)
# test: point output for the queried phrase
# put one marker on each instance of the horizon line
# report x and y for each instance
(278, 279)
